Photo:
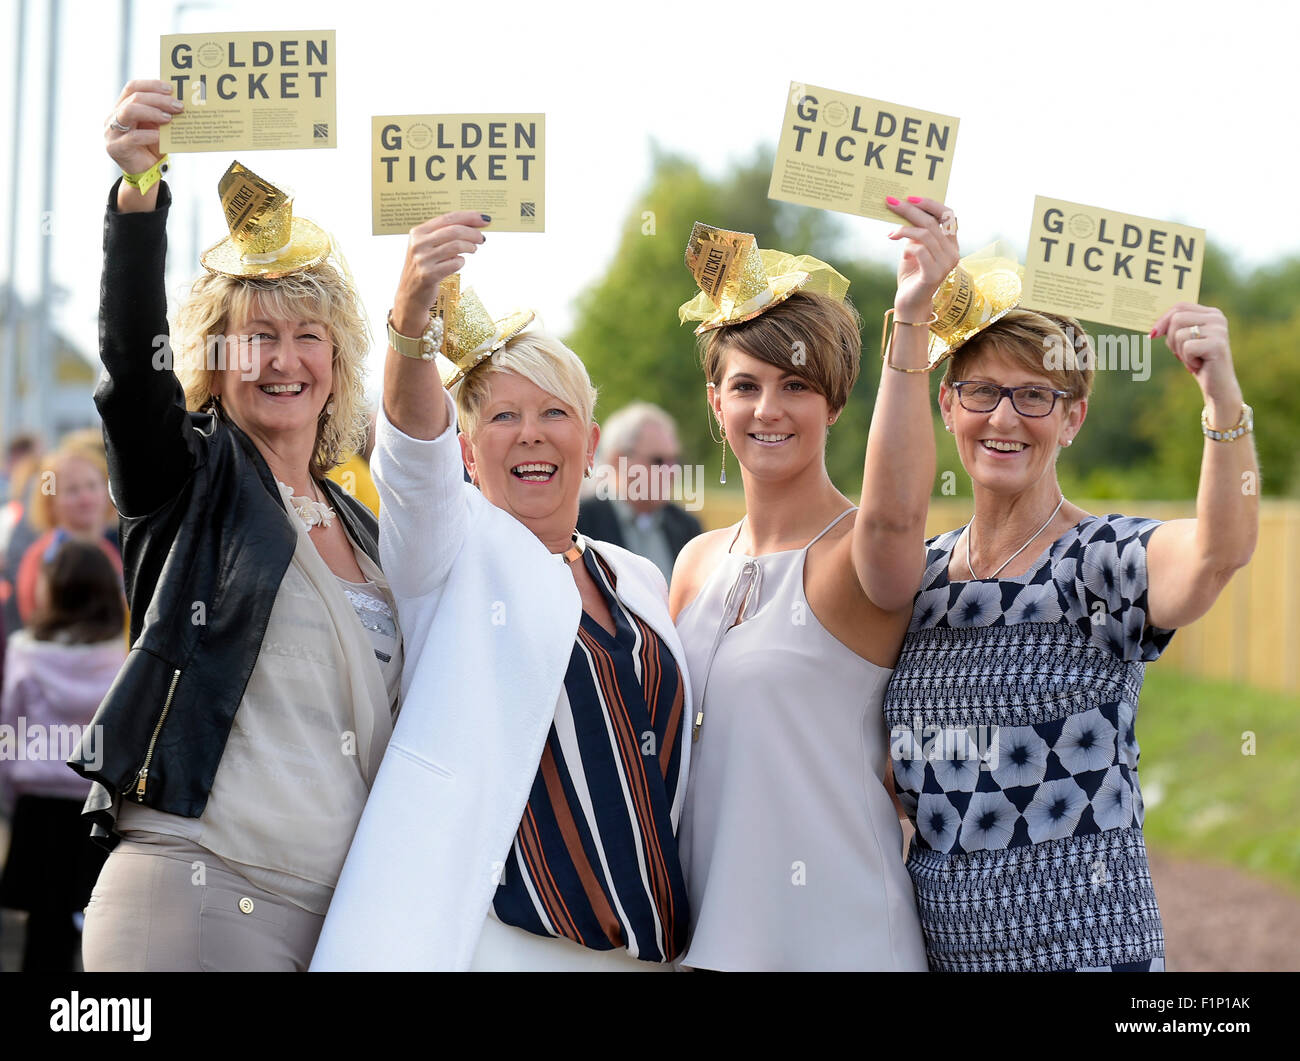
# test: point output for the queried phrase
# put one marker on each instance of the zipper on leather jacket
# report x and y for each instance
(142, 778)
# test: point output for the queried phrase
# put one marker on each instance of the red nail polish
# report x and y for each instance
(913, 198)
(891, 200)
(1153, 334)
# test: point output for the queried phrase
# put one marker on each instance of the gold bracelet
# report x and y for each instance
(1244, 425)
(142, 182)
(887, 339)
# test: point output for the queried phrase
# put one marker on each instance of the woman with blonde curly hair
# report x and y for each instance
(235, 751)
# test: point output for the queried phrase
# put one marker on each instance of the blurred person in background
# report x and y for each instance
(16, 531)
(70, 501)
(56, 673)
(22, 450)
(637, 466)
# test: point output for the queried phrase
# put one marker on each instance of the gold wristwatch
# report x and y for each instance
(424, 348)
(1244, 425)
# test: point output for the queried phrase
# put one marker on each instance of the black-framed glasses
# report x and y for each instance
(977, 396)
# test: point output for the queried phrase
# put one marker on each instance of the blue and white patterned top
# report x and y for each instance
(1011, 715)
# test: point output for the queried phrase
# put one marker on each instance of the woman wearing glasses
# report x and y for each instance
(1012, 706)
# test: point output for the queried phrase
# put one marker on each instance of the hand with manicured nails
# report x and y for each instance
(929, 255)
(1198, 337)
(437, 248)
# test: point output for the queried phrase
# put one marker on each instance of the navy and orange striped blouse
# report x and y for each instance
(595, 859)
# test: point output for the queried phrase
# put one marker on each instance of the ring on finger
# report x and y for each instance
(1196, 331)
(948, 224)
(115, 124)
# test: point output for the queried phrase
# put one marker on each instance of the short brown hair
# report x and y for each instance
(826, 331)
(1055, 346)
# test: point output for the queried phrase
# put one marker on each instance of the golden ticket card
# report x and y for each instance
(1112, 268)
(250, 91)
(842, 152)
(709, 254)
(423, 165)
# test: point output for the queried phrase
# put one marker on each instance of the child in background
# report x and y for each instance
(56, 673)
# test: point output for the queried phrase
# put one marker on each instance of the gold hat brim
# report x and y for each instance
(506, 329)
(309, 245)
(782, 287)
(1001, 283)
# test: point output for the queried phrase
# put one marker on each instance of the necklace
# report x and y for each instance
(970, 542)
(310, 512)
(574, 551)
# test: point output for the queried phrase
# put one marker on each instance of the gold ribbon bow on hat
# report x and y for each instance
(738, 281)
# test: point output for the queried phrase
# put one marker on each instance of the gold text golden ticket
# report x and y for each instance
(423, 165)
(1112, 268)
(250, 91)
(842, 152)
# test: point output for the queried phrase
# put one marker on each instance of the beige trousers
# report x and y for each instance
(163, 904)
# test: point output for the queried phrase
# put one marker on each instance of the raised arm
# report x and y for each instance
(413, 399)
(898, 475)
(1189, 561)
(147, 435)
(417, 463)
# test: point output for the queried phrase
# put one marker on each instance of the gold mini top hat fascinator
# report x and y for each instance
(738, 281)
(982, 289)
(470, 335)
(265, 240)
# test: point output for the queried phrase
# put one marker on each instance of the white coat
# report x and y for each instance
(488, 616)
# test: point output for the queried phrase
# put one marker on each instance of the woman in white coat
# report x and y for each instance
(526, 812)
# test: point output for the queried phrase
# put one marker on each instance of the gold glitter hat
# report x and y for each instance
(470, 335)
(738, 281)
(982, 289)
(265, 238)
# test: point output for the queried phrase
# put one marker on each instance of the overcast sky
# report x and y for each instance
(1177, 111)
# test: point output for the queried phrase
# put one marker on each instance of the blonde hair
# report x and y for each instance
(539, 358)
(324, 293)
(77, 446)
(1042, 343)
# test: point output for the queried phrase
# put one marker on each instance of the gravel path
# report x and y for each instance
(1222, 919)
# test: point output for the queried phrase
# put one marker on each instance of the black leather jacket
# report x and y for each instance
(204, 547)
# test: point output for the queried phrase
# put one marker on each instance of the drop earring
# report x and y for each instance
(722, 430)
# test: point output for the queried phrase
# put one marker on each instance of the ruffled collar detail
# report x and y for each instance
(310, 512)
